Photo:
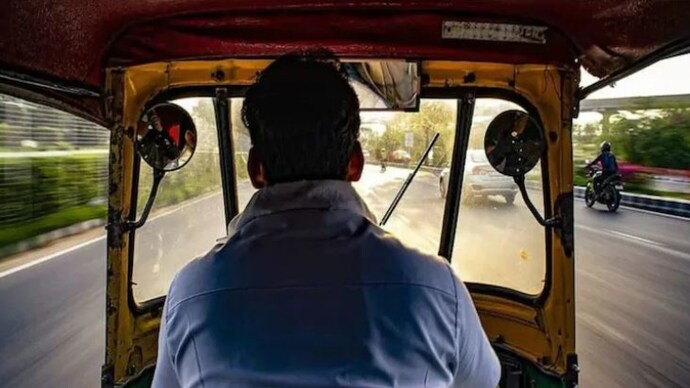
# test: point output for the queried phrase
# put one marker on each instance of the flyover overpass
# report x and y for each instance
(611, 106)
(635, 103)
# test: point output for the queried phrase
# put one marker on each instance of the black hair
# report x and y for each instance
(303, 118)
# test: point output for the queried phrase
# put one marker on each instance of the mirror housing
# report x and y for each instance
(166, 137)
(514, 143)
(166, 141)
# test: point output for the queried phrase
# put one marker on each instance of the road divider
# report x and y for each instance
(675, 207)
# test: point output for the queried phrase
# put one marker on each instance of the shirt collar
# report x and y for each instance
(314, 195)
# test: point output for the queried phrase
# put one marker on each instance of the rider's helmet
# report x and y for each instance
(605, 146)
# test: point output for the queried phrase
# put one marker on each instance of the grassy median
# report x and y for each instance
(14, 233)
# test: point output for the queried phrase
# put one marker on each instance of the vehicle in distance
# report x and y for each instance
(481, 180)
(400, 156)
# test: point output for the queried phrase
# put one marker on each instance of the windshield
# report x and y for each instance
(491, 209)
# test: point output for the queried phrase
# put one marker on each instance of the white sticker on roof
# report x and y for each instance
(495, 32)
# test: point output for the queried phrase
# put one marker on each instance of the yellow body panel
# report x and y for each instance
(543, 331)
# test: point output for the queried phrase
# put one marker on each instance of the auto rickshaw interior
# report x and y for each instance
(466, 125)
(466, 118)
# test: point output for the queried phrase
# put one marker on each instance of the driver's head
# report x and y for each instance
(303, 119)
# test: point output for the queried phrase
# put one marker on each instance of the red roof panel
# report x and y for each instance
(74, 40)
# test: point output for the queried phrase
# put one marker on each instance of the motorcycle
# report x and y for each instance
(609, 192)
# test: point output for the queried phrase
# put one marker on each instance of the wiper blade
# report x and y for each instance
(408, 181)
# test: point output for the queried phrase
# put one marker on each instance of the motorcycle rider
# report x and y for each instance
(607, 160)
(382, 159)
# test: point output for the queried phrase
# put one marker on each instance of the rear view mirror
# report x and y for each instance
(166, 141)
(166, 137)
(513, 143)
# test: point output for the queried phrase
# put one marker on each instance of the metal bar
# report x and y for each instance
(409, 179)
(26, 80)
(226, 152)
(679, 47)
(550, 222)
(463, 121)
(157, 177)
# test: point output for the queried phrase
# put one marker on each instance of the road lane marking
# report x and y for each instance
(639, 240)
(30, 264)
(653, 213)
(631, 237)
(49, 257)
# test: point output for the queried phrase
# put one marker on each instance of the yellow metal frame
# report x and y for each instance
(542, 333)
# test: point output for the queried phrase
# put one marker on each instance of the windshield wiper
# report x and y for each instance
(408, 181)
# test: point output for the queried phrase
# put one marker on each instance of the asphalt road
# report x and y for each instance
(633, 282)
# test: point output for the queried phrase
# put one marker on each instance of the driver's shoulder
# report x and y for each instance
(200, 276)
(389, 257)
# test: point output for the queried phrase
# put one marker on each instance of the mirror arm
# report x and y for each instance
(133, 225)
(554, 222)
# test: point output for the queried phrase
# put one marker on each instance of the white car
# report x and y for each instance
(480, 180)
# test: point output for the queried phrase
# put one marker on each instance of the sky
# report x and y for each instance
(667, 77)
(671, 76)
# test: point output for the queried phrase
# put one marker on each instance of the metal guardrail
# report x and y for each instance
(676, 207)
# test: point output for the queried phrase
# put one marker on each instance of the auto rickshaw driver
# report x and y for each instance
(307, 290)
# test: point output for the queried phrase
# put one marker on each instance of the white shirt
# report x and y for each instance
(307, 291)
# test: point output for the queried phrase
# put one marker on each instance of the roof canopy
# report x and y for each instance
(73, 41)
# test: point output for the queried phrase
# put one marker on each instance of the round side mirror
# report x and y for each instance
(166, 137)
(513, 143)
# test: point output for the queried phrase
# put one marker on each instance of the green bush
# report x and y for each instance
(34, 187)
(661, 140)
